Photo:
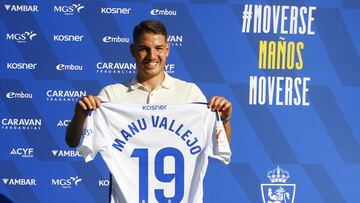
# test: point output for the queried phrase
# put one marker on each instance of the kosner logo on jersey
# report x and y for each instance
(19, 181)
(23, 152)
(66, 183)
(68, 10)
(21, 124)
(21, 8)
(21, 37)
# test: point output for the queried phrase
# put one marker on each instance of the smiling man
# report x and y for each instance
(151, 85)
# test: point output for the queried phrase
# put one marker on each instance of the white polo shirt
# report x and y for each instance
(171, 91)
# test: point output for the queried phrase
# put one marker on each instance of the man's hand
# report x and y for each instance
(87, 103)
(223, 106)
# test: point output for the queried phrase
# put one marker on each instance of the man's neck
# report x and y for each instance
(153, 82)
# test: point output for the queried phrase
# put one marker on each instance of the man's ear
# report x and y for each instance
(167, 49)
(132, 50)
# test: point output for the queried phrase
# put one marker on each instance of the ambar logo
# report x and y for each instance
(21, 8)
(66, 153)
(19, 181)
(21, 37)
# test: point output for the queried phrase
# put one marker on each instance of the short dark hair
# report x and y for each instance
(149, 26)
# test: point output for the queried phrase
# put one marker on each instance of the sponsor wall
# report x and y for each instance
(290, 68)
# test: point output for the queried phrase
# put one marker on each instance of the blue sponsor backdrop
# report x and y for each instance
(290, 68)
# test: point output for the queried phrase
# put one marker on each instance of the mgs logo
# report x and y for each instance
(68, 10)
(21, 37)
(278, 191)
(66, 183)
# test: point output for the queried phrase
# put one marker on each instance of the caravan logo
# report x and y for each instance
(66, 183)
(21, 37)
(117, 67)
(175, 40)
(21, 124)
(64, 95)
(68, 10)
(278, 191)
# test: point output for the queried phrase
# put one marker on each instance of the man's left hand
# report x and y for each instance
(222, 105)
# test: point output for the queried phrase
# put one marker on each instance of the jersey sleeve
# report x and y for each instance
(92, 137)
(217, 145)
(196, 94)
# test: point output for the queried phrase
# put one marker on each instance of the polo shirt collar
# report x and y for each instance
(168, 81)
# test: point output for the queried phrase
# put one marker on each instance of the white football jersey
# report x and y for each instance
(155, 152)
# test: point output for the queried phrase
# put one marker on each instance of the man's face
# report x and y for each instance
(150, 52)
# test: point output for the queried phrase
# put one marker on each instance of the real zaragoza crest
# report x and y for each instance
(278, 191)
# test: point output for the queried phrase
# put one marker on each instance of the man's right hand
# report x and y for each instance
(87, 103)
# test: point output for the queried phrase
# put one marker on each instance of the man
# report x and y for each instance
(151, 85)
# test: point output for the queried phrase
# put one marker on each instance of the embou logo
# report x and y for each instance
(70, 67)
(68, 10)
(66, 183)
(117, 39)
(18, 95)
(163, 12)
(21, 37)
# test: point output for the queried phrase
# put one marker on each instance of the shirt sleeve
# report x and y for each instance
(92, 137)
(196, 94)
(217, 145)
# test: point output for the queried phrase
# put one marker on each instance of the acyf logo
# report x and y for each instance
(68, 10)
(66, 183)
(23, 152)
(21, 37)
(19, 181)
(63, 123)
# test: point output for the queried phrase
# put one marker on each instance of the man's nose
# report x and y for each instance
(152, 53)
